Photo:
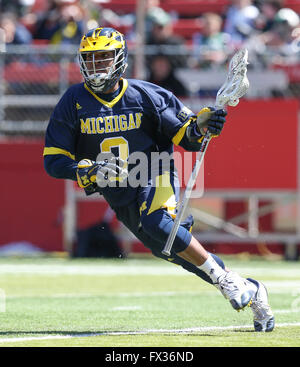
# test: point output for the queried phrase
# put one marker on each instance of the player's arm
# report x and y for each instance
(60, 166)
(186, 129)
(90, 175)
(59, 150)
(59, 158)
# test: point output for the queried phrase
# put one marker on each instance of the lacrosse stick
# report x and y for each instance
(235, 87)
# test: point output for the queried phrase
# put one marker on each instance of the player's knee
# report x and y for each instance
(158, 226)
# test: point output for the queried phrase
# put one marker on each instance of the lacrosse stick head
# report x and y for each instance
(237, 83)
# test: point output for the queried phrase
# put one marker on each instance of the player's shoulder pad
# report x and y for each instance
(72, 92)
(158, 95)
(71, 95)
(75, 90)
(65, 110)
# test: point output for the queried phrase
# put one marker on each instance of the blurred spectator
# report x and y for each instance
(71, 25)
(240, 20)
(211, 46)
(276, 46)
(161, 30)
(153, 9)
(17, 7)
(162, 74)
(48, 21)
(62, 23)
(127, 23)
(266, 17)
(15, 32)
(281, 33)
(161, 35)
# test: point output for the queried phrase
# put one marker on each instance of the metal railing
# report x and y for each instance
(32, 79)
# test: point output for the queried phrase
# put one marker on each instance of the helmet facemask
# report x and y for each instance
(102, 69)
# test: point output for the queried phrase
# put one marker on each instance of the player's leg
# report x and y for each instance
(157, 205)
(262, 314)
(130, 216)
(158, 225)
(239, 291)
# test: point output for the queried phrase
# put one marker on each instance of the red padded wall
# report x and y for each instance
(31, 201)
(257, 150)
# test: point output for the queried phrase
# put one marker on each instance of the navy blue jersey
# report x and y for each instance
(143, 117)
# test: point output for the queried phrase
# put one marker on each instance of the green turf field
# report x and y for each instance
(137, 302)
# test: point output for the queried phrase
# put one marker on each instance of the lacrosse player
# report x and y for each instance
(109, 114)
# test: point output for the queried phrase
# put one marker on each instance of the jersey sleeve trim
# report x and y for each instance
(115, 100)
(180, 133)
(53, 151)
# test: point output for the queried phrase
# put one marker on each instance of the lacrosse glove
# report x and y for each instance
(212, 120)
(91, 174)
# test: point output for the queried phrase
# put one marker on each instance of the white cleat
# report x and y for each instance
(236, 289)
(263, 317)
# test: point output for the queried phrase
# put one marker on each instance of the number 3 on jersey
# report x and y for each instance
(117, 142)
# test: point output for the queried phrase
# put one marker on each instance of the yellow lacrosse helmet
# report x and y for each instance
(102, 72)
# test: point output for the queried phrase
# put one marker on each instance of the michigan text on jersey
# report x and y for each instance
(110, 124)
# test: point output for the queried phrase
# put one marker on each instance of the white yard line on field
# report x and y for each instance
(287, 311)
(161, 268)
(141, 332)
(211, 291)
(126, 308)
(274, 287)
(103, 270)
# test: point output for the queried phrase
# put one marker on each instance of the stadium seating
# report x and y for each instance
(188, 12)
(189, 8)
(182, 7)
(195, 7)
(186, 28)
